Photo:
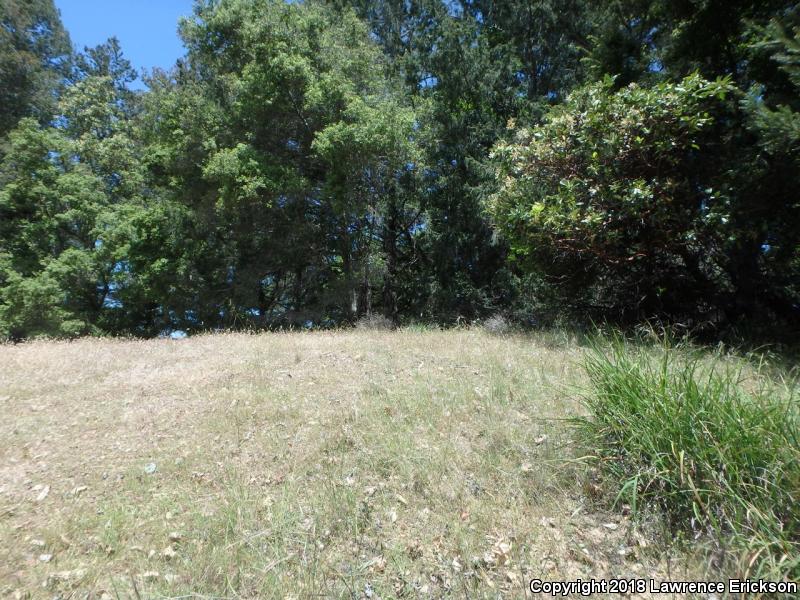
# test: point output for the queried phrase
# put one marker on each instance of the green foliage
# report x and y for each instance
(48, 209)
(651, 40)
(778, 123)
(612, 188)
(716, 448)
(471, 66)
(312, 163)
(281, 140)
(34, 56)
(61, 189)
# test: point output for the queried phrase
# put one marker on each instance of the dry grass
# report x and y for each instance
(351, 464)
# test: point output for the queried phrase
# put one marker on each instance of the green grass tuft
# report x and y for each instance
(709, 441)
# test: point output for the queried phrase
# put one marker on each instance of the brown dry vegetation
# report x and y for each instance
(350, 464)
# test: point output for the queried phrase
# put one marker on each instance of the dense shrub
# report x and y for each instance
(375, 322)
(497, 324)
(630, 204)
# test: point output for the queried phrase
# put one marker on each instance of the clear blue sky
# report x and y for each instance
(147, 29)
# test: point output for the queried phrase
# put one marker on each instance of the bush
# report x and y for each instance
(626, 203)
(375, 322)
(497, 324)
(715, 451)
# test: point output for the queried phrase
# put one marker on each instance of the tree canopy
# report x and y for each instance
(306, 164)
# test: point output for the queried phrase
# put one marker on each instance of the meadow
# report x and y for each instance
(347, 464)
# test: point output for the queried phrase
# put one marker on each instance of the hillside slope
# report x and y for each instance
(347, 464)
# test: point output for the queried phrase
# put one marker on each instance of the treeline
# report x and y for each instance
(306, 164)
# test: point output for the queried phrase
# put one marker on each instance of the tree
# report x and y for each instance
(650, 42)
(278, 139)
(371, 160)
(615, 198)
(60, 189)
(309, 163)
(469, 66)
(34, 58)
(646, 40)
(772, 113)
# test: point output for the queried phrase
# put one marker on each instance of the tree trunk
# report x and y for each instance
(297, 291)
(347, 267)
(367, 288)
(390, 248)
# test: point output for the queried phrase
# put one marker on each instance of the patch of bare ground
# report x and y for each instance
(419, 464)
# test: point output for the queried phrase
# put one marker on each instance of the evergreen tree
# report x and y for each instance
(34, 58)
(310, 163)
(61, 187)
(280, 139)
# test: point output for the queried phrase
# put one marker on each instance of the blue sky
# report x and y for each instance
(147, 29)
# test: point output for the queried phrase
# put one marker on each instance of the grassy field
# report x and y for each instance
(357, 464)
